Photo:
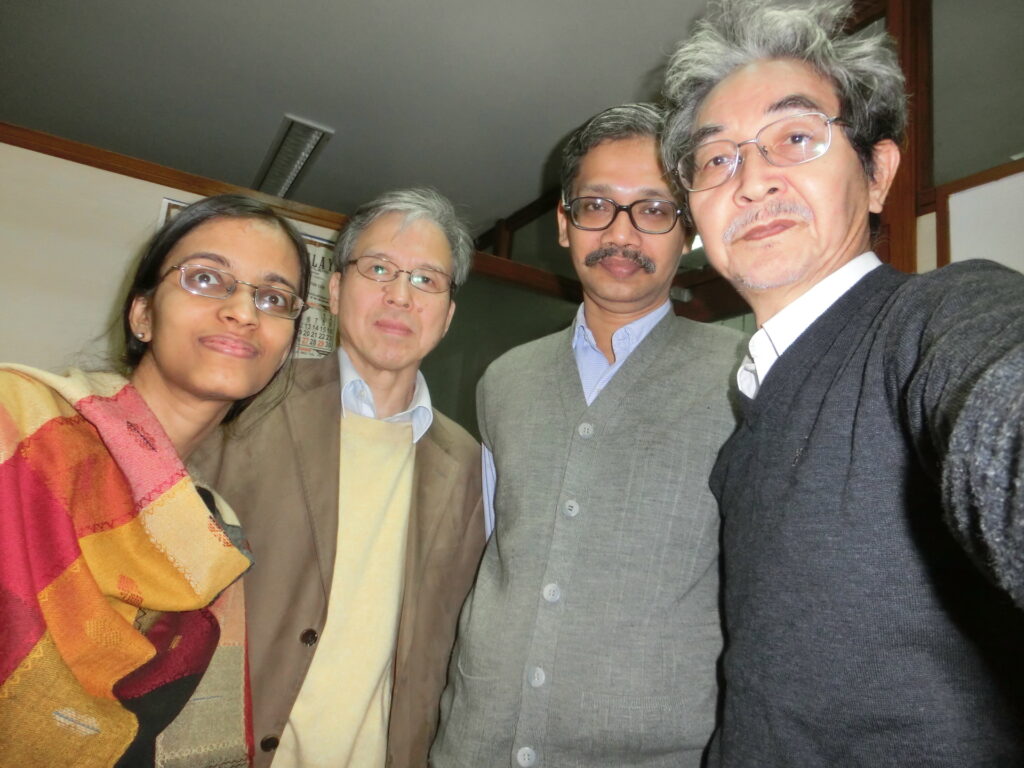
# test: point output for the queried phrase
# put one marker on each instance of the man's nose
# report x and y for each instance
(757, 178)
(621, 229)
(399, 290)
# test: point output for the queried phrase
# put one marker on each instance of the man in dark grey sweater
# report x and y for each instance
(873, 497)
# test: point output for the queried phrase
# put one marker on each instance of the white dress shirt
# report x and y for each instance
(782, 329)
(357, 398)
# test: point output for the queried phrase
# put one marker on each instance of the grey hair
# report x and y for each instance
(415, 203)
(864, 68)
(615, 124)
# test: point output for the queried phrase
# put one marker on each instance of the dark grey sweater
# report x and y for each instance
(879, 466)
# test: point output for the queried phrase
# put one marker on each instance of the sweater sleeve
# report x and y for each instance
(963, 396)
(983, 475)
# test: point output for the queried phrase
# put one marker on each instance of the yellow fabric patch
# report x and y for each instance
(58, 724)
(206, 561)
(85, 626)
(25, 406)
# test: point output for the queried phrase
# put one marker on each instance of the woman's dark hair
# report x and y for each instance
(150, 270)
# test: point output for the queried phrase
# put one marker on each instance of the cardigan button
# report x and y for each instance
(269, 743)
(309, 637)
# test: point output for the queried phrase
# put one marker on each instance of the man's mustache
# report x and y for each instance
(766, 211)
(644, 262)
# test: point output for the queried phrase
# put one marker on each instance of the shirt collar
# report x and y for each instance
(786, 325)
(780, 331)
(357, 398)
(626, 338)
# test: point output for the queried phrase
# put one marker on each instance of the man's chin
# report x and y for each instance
(759, 281)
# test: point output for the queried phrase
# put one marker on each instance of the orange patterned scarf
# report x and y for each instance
(113, 574)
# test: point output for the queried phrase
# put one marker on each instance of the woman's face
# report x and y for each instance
(202, 350)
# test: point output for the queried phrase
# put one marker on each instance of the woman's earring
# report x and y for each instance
(140, 335)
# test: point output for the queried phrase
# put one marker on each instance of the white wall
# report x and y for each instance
(927, 246)
(68, 236)
(986, 222)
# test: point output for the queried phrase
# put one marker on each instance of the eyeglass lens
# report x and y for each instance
(217, 284)
(655, 217)
(384, 271)
(790, 141)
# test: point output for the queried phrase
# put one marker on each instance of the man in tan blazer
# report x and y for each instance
(366, 542)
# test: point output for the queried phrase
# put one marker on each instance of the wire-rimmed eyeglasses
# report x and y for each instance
(791, 140)
(383, 270)
(214, 283)
(652, 217)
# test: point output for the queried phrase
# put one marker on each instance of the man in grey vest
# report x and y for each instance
(592, 632)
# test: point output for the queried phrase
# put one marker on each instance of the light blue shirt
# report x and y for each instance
(357, 398)
(595, 373)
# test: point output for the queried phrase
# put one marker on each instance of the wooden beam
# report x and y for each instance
(158, 174)
(703, 295)
(900, 213)
(705, 290)
(919, 87)
(866, 12)
(517, 220)
(503, 239)
(707, 296)
(539, 280)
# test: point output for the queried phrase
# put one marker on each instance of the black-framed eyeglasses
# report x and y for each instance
(791, 140)
(652, 217)
(383, 270)
(214, 283)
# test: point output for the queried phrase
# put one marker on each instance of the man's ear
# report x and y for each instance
(140, 318)
(887, 160)
(563, 225)
(334, 287)
(451, 314)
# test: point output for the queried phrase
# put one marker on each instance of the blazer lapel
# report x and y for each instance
(314, 419)
(434, 473)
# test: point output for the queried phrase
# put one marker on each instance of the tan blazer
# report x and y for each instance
(279, 470)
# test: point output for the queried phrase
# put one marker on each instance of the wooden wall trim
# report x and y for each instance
(944, 191)
(158, 174)
(899, 217)
(534, 278)
(865, 12)
(709, 297)
(919, 85)
(705, 291)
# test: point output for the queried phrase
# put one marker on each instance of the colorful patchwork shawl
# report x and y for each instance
(112, 586)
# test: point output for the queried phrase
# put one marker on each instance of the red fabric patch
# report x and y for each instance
(184, 644)
(69, 454)
(38, 544)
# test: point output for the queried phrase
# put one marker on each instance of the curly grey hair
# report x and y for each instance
(864, 69)
(623, 122)
(415, 203)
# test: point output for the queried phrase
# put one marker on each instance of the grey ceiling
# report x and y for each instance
(472, 97)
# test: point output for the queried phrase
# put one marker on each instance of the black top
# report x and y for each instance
(858, 629)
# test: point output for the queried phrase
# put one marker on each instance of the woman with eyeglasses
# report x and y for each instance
(119, 575)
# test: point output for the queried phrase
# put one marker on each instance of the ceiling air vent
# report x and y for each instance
(296, 145)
